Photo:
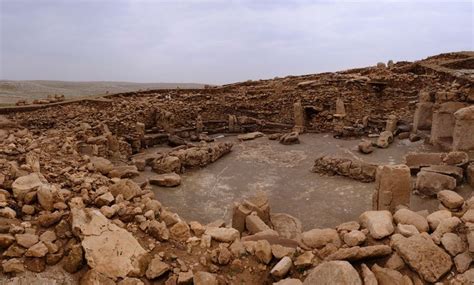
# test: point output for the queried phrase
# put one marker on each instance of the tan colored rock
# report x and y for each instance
(379, 223)
(101, 164)
(358, 253)
(223, 234)
(13, 265)
(392, 187)
(286, 225)
(282, 267)
(407, 230)
(92, 277)
(436, 217)
(6, 240)
(180, 231)
(166, 180)
(254, 224)
(385, 139)
(423, 256)
(450, 199)
(365, 147)
(318, 238)
(463, 261)
(333, 272)
(250, 136)
(354, 238)
(25, 184)
(408, 217)
(156, 268)
(26, 240)
(368, 276)
(288, 281)
(386, 276)
(37, 250)
(126, 187)
(453, 244)
(445, 226)
(44, 195)
(430, 183)
(263, 251)
(304, 260)
(204, 278)
(109, 249)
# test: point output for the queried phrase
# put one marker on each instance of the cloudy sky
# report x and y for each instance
(220, 41)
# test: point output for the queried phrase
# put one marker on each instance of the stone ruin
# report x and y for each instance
(71, 211)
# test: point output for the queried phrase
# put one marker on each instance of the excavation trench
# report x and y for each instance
(283, 172)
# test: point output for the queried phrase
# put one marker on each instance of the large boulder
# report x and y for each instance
(430, 183)
(109, 249)
(333, 272)
(423, 256)
(25, 184)
(126, 187)
(379, 223)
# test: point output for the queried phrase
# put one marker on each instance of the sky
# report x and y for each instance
(220, 41)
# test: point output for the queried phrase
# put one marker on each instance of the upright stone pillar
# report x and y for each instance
(443, 122)
(423, 116)
(233, 124)
(392, 187)
(340, 108)
(463, 134)
(199, 124)
(391, 124)
(299, 117)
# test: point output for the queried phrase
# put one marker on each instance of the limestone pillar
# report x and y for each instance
(392, 187)
(299, 117)
(463, 134)
(443, 121)
(423, 116)
(391, 124)
(233, 124)
(199, 124)
(340, 108)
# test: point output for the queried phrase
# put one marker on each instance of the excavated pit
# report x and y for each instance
(283, 172)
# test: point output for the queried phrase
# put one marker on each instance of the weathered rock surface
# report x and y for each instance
(109, 249)
(333, 272)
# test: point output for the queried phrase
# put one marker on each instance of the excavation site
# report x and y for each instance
(362, 176)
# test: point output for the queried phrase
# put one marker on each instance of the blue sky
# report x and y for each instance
(220, 41)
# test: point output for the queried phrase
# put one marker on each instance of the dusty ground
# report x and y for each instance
(284, 173)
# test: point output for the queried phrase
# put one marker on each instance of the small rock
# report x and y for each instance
(282, 267)
(450, 199)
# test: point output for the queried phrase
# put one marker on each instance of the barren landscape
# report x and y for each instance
(363, 176)
(12, 91)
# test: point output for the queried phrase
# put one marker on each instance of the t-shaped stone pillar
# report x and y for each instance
(392, 187)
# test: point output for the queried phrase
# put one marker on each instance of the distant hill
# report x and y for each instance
(12, 91)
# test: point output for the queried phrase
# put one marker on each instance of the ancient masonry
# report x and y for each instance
(72, 213)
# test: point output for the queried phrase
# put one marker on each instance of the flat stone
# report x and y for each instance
(452, 243)
(26, 240)
(109, 249)
(250, 136)
(407, 230)
(223, 234)
(359, 253)
(386, 276)
(286, 225)
(463, 261)
(453, 171)
(166, 180)
(13, 265)
(354, 238)
(37, 250)
(430, 183)
(424, 257)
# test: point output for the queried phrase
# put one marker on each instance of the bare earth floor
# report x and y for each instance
(283, 172)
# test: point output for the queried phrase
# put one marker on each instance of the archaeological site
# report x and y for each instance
(363, 176)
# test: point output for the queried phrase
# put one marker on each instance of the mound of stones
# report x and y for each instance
(349, 167)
